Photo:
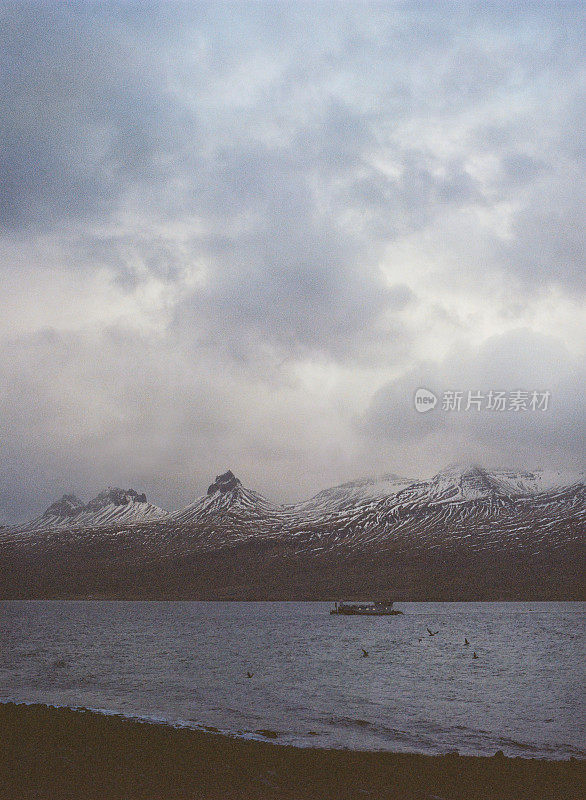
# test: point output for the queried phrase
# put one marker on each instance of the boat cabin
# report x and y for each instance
(371, 608)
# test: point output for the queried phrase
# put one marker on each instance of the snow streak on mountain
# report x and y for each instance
(467, 524)
(111, 507)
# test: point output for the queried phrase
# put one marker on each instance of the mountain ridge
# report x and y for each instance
(112, 505)
(466, 533)
(454, 483)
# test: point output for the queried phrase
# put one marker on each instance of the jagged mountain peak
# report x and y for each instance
(68, 506)
(224, 483)
(116, 497)
(113, 506)
(226, 495)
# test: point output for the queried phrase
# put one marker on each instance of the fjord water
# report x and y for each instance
(187, 662)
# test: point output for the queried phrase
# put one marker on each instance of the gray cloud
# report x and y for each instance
(238, 220)
(520, 360)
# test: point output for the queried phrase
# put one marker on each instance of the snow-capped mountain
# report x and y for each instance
(66, 508)
(465, 532)
(113, 506)
(458, 503)
(460, 483)
(352, 492)
(225, 495)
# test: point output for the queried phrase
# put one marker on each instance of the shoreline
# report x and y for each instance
(58, 753)
(279, 738)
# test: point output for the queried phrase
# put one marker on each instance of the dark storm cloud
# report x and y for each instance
(84, 114)
(90, 120)
(230, 181)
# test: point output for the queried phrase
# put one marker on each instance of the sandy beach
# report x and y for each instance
(54, 754)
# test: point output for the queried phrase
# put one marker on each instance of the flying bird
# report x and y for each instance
(250, 674)
(466, 642)
(364, 652)
(475, 656)
(431, 633)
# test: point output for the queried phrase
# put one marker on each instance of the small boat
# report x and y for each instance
(371, 609)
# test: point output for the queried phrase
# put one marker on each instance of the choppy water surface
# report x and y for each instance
(188, 662)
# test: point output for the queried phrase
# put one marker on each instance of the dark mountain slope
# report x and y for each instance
(465, 534)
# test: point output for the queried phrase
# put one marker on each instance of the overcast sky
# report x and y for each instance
(242, 235)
